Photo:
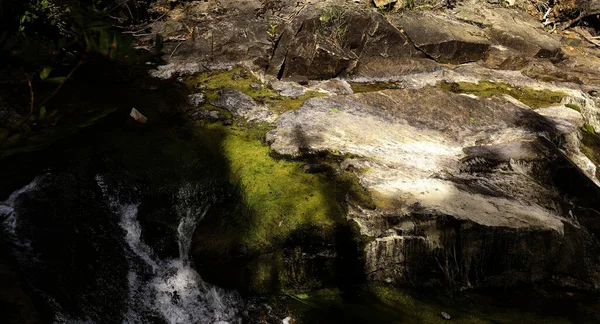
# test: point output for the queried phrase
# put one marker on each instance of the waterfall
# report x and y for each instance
(10, 222)
(158, 290)
(171, 289)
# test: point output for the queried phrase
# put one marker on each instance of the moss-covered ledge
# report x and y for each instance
(284, 227)
(532, 97)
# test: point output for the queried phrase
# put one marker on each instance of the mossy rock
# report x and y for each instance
(513, 306)
(245, 81)
(276, 211)
(534, 98)
(573, 106)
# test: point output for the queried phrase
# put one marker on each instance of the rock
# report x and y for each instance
(196, 99)
(444, 40)
(321, 51)
(389, 69)
(234, 101)
(137, 116)
(316, 57)
(566, 120)
(374, 36)
(314, 168)
(241, 104)
(288, 89)
(445, 316)
(255, 86)
(513, 29)
(167, 71)
(504, 58)
(207, 114)
(457, 179)
(333, 86)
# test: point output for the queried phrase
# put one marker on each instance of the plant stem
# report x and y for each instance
(32, 100)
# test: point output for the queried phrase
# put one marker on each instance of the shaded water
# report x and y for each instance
(172, 288)
(159, 290)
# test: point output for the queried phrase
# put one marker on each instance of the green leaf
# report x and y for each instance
(42, 112)
(45, 72)
(57, 80)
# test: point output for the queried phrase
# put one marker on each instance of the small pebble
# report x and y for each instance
(446, 316)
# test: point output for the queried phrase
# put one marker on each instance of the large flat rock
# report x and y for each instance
(456, 179)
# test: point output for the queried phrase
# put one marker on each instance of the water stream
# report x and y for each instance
(159, 290)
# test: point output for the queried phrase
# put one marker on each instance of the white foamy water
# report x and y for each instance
(7, 208)
(9, 216)
(22, 248)
(169, 289)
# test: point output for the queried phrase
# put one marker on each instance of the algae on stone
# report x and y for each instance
(246, 82)
(359, 87)
(534, 98)
(278, 196)
(467, 308)
(590, 145)
(575, 107)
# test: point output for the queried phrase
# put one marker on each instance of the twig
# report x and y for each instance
(583, 33)
(62, 83)
(547, 13)
(176, 47)
(146, 25)
(581, 16)
(130, 14)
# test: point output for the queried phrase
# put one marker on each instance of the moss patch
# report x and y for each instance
(471, 308)
(359, 87)
(534, 98)
(278, 197)
(574, 107)
(246, 82)
(590, 145)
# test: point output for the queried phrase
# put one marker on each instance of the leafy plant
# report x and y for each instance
(272, 33)
(334, 23)
(52, 39)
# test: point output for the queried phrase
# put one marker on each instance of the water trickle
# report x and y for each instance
(10, 222)
(170, 289)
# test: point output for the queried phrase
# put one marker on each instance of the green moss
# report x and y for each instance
(574, 107)
(372, 86)
(283, 104)
(534, 98)
(245, 82)
(279, 198)
(463, 309)
(590, 144)
(422, 312)
(587, 128)
(279, 193)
